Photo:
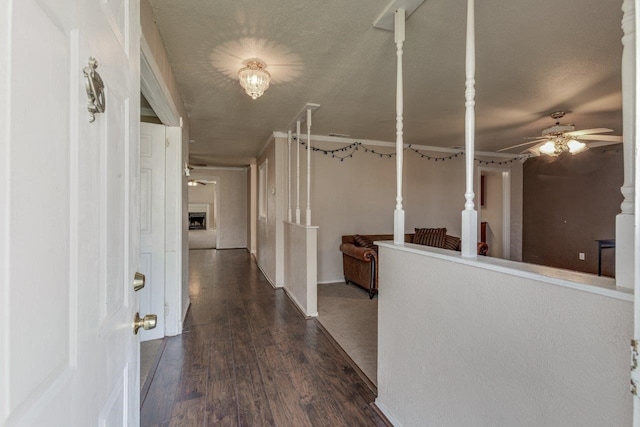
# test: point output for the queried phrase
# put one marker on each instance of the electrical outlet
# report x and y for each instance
(581, 256)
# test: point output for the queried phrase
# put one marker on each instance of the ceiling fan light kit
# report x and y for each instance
(561, 145)
(563, 137)
(254, 79)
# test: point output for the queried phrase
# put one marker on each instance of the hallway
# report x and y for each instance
(247, 357)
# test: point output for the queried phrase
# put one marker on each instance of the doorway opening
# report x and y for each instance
(494, 202)
(203, 213)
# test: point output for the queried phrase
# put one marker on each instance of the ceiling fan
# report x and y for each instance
(563, 137)
(194, 182)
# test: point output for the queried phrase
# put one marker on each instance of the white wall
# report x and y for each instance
(231, 186)
(463, 345)
(358, 194)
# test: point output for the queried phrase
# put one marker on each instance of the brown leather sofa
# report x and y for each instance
(360, 263)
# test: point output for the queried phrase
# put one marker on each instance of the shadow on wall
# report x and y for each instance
(569, 202)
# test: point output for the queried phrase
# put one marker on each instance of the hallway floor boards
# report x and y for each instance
(247, 357)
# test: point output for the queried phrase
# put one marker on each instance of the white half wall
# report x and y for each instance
(462, 344)
(301, 267)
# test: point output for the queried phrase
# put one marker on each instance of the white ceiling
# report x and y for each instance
(533, 57)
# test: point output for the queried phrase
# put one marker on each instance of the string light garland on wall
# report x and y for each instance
(350, 149)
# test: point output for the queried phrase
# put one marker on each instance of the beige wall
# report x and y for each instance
(152, 36)
(231, 185)
(357, 195)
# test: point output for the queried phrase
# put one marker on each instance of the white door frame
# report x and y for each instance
(155, 90)
(216, 207)
(506, 205)
(636, 151)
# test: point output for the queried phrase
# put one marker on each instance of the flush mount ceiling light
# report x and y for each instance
(254, 79)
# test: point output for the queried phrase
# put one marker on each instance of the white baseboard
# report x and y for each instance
(387, 414)
(326, 282)
(184, 314)
(299, 306)
(267, 276)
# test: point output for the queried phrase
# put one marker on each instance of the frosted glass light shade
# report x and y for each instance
(548, 148)
(576, 147)
(254, 79)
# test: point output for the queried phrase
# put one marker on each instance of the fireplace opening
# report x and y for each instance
(197, 220)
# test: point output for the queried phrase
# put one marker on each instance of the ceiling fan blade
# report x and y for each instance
(608, 138)
(588, 131)
(535, 150)
(523, 144)
(596, 144)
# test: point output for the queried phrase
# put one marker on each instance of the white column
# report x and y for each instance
(635, 375)
(289, 176)
(298, 173)
(398, 215)
(308, 213)
(469, 214)
(625, 252)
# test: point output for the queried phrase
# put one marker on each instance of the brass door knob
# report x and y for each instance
(147, 322)
(138, 281)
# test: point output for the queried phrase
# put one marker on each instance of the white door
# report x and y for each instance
(152, 225)
(69, 231)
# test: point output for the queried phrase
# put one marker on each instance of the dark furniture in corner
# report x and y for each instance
(604, 244)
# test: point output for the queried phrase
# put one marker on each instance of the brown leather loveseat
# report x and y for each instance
(360, 255)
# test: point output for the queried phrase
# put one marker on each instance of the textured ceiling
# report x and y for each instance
(533, 57)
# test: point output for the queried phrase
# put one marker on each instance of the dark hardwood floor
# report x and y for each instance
(247, 357)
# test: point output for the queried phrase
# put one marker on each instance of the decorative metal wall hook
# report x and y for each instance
(95, 89)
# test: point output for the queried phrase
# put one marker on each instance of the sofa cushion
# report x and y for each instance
(452, 243)
(363, 241)
(430, 237)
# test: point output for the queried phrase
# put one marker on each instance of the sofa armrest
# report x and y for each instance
(483, 248)
(357, 252)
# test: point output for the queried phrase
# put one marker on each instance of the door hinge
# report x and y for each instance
(635, 380)
(166, 143)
